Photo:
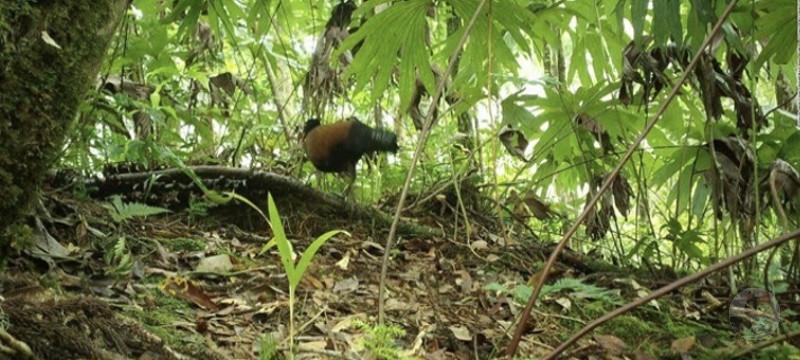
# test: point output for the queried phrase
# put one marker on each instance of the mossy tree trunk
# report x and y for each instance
(50, 52)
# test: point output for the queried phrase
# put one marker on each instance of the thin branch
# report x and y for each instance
(669, 288)
(420, 145)
(765, 343)
(511, 349)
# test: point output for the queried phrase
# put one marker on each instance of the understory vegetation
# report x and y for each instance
(558, 160)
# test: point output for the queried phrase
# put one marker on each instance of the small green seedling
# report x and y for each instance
(294, 270)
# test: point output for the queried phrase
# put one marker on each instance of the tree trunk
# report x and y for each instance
(50, 52)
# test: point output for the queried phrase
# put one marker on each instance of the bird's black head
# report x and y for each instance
(310, 125)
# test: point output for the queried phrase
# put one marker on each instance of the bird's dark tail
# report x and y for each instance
(364, 139)
(383, 140)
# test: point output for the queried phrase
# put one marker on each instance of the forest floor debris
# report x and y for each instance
(193, 284)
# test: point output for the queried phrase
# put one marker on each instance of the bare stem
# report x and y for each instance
(423, 138)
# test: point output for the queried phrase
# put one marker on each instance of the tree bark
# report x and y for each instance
(50, 52)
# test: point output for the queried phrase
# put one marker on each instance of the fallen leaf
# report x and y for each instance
(479, 245)
(342, 264)
(565, 303)
(215, 264)
(313, 345)
(461, 333)
(397, 305)
(464, 280)
(49, 40)
(346, 285)
(185, 289)
(611, 344)
(683, 345)
(347, 322)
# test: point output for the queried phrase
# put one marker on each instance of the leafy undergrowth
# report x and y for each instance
(197, 280)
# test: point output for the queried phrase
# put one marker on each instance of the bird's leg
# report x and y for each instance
(350, 173)
(370, 159)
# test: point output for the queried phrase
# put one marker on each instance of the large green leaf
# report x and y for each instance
(396, 31)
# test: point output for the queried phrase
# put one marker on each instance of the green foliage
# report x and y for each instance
(778, 351)
(580, 290)
(161, 318)
(574, 288)
(294, 271)
(198, 208)
(122, 212)
(380, 341)
(119, 257)
(540, 66)
(18, 236)
(185, 244)
(393, 36)
(778, 19)
(268, 347)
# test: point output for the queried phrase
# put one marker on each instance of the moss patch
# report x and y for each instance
(160, 317)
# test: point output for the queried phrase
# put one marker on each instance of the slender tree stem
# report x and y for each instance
(423, 138)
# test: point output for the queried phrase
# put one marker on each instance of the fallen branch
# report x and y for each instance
(669, 288)
(263, 182)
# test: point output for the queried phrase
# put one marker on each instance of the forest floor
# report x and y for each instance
(192, 284)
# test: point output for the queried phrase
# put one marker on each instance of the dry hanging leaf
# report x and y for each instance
(514, 141)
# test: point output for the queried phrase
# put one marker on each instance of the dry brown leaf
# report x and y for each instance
(461, 333)
(611, 344)
(683, 345)
(479, 245)
(514, 141)
(186, 289)
(464, 280)
(347, 285)
(312, 345)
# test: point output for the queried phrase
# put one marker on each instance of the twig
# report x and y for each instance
(764, 344)
(779, 106)
(669, 288)
(426, 129)
(511, 349)
(305, 325)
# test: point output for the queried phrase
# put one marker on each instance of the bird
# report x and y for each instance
(337, 147)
